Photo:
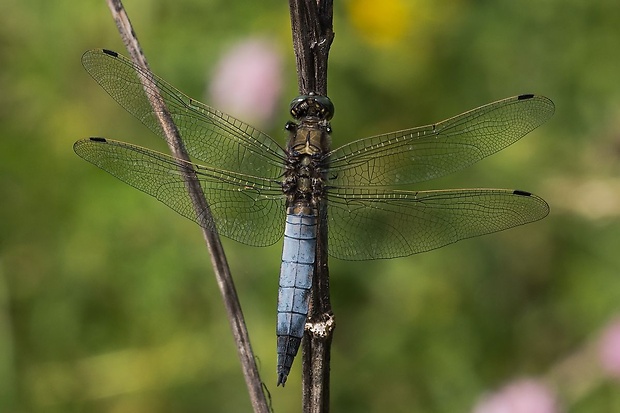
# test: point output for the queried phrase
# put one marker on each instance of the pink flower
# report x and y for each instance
(609, 349)
(247, 82)
(522, 396)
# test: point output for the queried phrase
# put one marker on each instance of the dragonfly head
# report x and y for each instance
(312, 105)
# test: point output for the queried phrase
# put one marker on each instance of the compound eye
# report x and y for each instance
(312, 105)
(296, 106)
(327, 107)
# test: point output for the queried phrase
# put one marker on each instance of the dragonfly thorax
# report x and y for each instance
(308, 138)
(308, 142)
(303, 183)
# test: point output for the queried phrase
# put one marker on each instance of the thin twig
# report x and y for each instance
(311, 24)
(218, 259)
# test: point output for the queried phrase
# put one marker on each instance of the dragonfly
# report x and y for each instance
(259, 191)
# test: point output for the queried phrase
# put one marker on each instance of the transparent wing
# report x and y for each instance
(209, 135)
(245, 208)
(427, 152)
(369, 224)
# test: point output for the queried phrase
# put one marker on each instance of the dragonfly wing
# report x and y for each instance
(427, 152)
(210, 136)
(245, 208)
(370, 224)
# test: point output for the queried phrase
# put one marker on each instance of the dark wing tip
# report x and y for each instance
(543, 101)
(77, 146)
(526, 96)
(110, 52)
(544, 207)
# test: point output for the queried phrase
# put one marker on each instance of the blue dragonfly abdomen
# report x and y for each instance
(298, 256)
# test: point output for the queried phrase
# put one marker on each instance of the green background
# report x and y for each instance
(107, 299)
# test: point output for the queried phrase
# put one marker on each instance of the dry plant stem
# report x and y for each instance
(218, 259)
(311, 24)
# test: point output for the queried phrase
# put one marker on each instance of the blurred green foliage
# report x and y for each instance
(107, 302)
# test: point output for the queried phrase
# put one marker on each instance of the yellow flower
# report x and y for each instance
(381, 22)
